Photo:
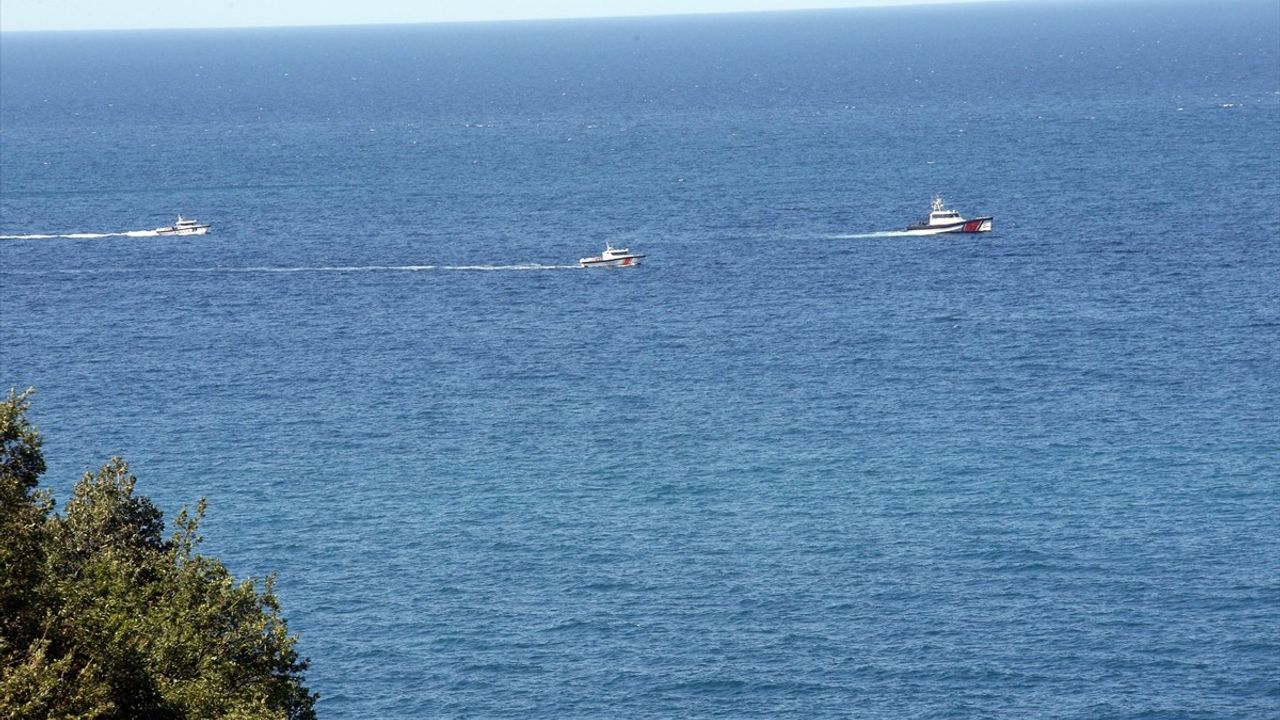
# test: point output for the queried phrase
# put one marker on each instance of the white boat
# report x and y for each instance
(944, 220)
(184, 226)
(611, 257)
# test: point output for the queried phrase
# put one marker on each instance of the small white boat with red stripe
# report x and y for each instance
(611, 257)
(945, 220)
(184, 226)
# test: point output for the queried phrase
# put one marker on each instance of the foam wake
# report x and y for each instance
(880, 234)
(378, 268)
(81, 236)
(528, 267)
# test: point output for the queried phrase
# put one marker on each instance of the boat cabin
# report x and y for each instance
(940, 215)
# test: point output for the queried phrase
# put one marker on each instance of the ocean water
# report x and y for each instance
(797, 464)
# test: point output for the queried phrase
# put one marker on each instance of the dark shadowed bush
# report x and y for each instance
(103, 616)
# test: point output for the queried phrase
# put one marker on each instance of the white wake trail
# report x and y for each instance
(880, 234)
(260, 270)
(80, 236)
(377, 268)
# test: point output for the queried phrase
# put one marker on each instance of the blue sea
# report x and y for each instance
(797, 464)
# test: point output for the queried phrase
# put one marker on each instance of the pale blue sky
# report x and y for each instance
(21, 15)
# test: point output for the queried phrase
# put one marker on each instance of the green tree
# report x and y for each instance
(105, 617)
(23, 512)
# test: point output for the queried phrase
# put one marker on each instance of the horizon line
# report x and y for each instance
(866, 5)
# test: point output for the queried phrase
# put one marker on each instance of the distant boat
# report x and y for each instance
(611, 257)
(944, 220)
(183, 226)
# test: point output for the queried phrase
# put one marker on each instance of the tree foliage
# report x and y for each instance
(102, 616)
